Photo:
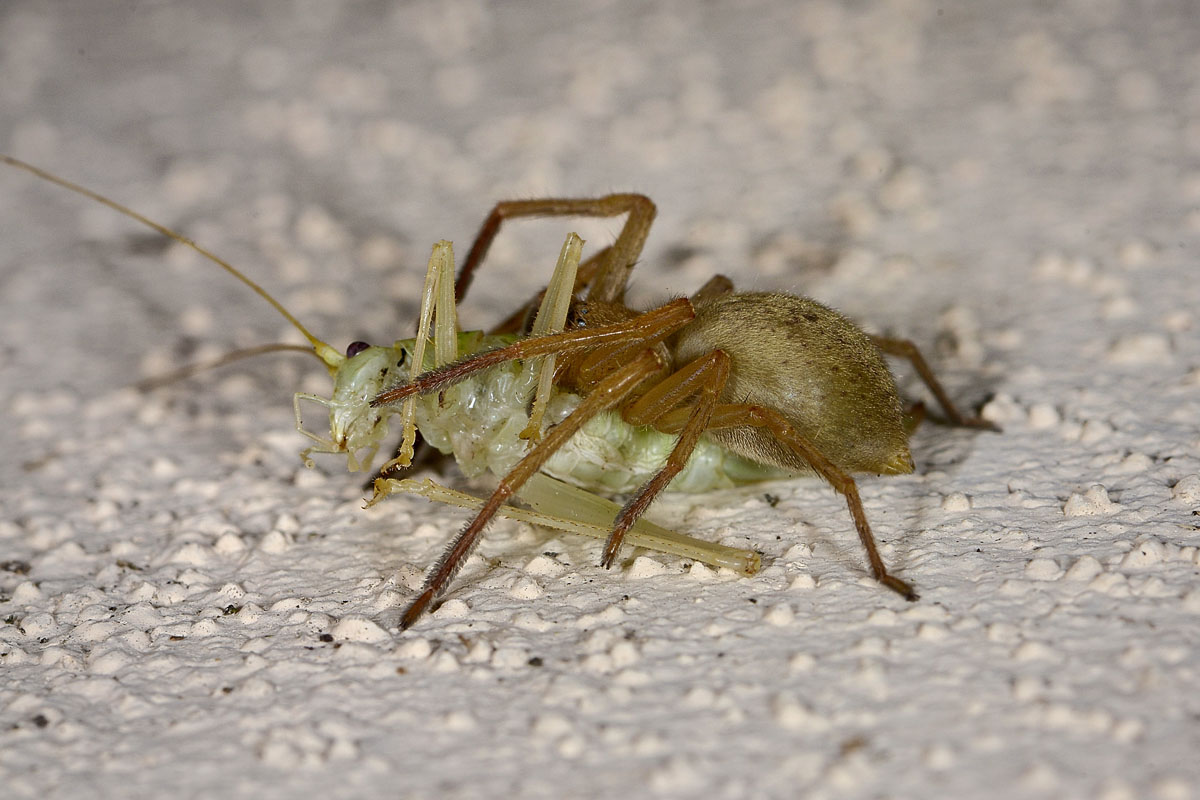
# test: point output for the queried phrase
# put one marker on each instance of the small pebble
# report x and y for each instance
(1145, 553)
(956, 502)
(646, 567)
(1043, 569)
(1093, 502)
(1084, 569)
(526, 589)
(781, 614)
(803, 582)
(359, 629)
(1187, 490)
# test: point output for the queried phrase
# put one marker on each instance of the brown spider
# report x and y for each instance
(778, 379)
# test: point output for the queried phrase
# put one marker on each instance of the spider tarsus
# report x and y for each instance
(900, 587)
(415, 609)
(980, 423)
(611, 546)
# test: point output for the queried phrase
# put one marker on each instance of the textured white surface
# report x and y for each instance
(186, 611)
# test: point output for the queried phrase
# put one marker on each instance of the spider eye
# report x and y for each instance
(577, 315)
(355, 348)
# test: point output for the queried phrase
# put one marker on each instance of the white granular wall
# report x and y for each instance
(186, 611)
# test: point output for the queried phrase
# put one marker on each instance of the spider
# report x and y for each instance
(776, 379)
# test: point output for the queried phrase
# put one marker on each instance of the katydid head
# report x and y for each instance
(364, 373)
(354, 426)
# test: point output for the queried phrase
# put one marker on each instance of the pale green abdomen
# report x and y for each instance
(479, 421)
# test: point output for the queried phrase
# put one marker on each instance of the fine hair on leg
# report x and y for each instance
(606, 394)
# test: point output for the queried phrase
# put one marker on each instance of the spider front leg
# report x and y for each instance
(609, 392)
(648, 328)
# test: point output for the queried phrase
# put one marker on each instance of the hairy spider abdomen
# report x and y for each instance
(812, 364)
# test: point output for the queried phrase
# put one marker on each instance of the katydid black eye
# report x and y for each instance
(355, 348)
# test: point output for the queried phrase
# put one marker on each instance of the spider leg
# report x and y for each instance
(714, 287)
(730, 415)
(903, 348)
(609, 392)
(520, 320)
(705, 377)
(610, 283)
(914, 415)
(648, 329)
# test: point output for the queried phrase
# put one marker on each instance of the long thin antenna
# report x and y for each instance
(184, 373)
(325, 352)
